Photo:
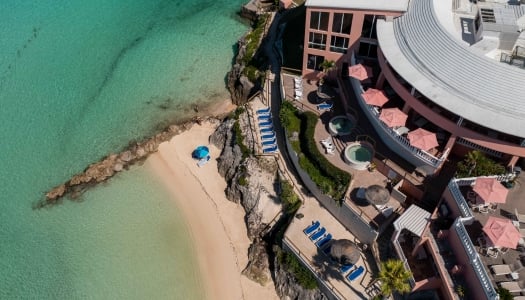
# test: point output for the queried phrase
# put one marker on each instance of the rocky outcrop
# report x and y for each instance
(239, 85)
(287, 287)
(258, 268)
(114, 163)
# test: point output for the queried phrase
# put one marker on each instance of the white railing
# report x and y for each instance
(423, 155)
(472, 145)
(453, 187)
(403, 258)
(475, 260)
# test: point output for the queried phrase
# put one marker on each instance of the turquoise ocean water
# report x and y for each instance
(79, 79)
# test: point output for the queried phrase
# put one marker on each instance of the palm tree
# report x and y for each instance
(326, 66)
(394, 277)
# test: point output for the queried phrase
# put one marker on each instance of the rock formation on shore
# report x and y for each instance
(112, 164)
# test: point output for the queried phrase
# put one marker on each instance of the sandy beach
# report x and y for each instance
(216, 224)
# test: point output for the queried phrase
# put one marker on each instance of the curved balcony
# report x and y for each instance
(443, 122)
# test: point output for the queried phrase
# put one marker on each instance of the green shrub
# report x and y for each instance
(239, 140)
(243, 181)
(289, 198)
(253, 38)
(331, 180)
(477, 164)
(504, 294)
(251, 72)
(303, 276)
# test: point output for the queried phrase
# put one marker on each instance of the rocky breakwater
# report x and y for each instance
(113, 163)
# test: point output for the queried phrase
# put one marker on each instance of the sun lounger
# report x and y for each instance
(324, 106)
(264, 117)
(311, 228)
(320, 243)
(500, 269)
(270, 136)
(345, 268)
(512, 286)
(356, 273)
(265, 110)
(273, 149)
(269, 143)
(265, 123)
(318, 234)
(266, 130)
(519, 217)
(519, 297)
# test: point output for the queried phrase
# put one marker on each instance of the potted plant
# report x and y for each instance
(371, 167)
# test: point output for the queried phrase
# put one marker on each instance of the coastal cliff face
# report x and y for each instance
(287, 287)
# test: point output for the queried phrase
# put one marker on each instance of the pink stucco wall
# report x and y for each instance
(354, 36)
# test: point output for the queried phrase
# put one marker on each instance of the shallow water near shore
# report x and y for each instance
(78, 80)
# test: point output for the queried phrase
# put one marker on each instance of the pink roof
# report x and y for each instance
(422, 139)
(393, 117)
(360, 72)
(502, 232)
(490, 190)
(375, 97)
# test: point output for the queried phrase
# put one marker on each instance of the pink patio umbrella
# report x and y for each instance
(490, 190)
(422, 139)
(393, 117)
(375, 97)
(501, 232)
(360, 72)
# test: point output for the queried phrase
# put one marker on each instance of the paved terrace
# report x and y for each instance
(512, 257)
(319, 262)
(359, 178)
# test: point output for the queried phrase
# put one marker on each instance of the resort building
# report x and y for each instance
(465, 248)
(454, 68)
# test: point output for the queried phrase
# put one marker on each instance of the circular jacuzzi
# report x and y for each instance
(358, 155)
(341, 125)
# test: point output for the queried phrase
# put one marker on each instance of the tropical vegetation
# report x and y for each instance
(477, 164)
(394, 277)
(331, 180)
(304, 277)
(504, 294)
(289, 198)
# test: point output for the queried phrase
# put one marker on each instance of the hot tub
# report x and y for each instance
(341, 125)
(358, 155)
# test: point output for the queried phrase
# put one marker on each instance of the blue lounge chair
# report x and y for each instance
(324, 106)
(265, 110)
(320, 243)
(318, 234)
(355, 273)
(345, 268)
(311, 228)
(265, 123)
(265, 118)
(270, 136)
(269, 143)
(266, 130)
(271, 149)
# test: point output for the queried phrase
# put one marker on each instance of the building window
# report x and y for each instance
(314, 62)
(367, 49)
(339, 44)
(342, 23)
(369, 27)
(319, 20)
(317, 41)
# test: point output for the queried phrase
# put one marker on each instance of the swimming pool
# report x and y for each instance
(358, 155)
(341, 125)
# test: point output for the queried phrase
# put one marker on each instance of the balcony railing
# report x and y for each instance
(403, 258)
(453, 187)
(475, 146)
(423, 155)
(475, 260)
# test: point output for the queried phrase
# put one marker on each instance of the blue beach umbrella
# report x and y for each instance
(200, 152)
